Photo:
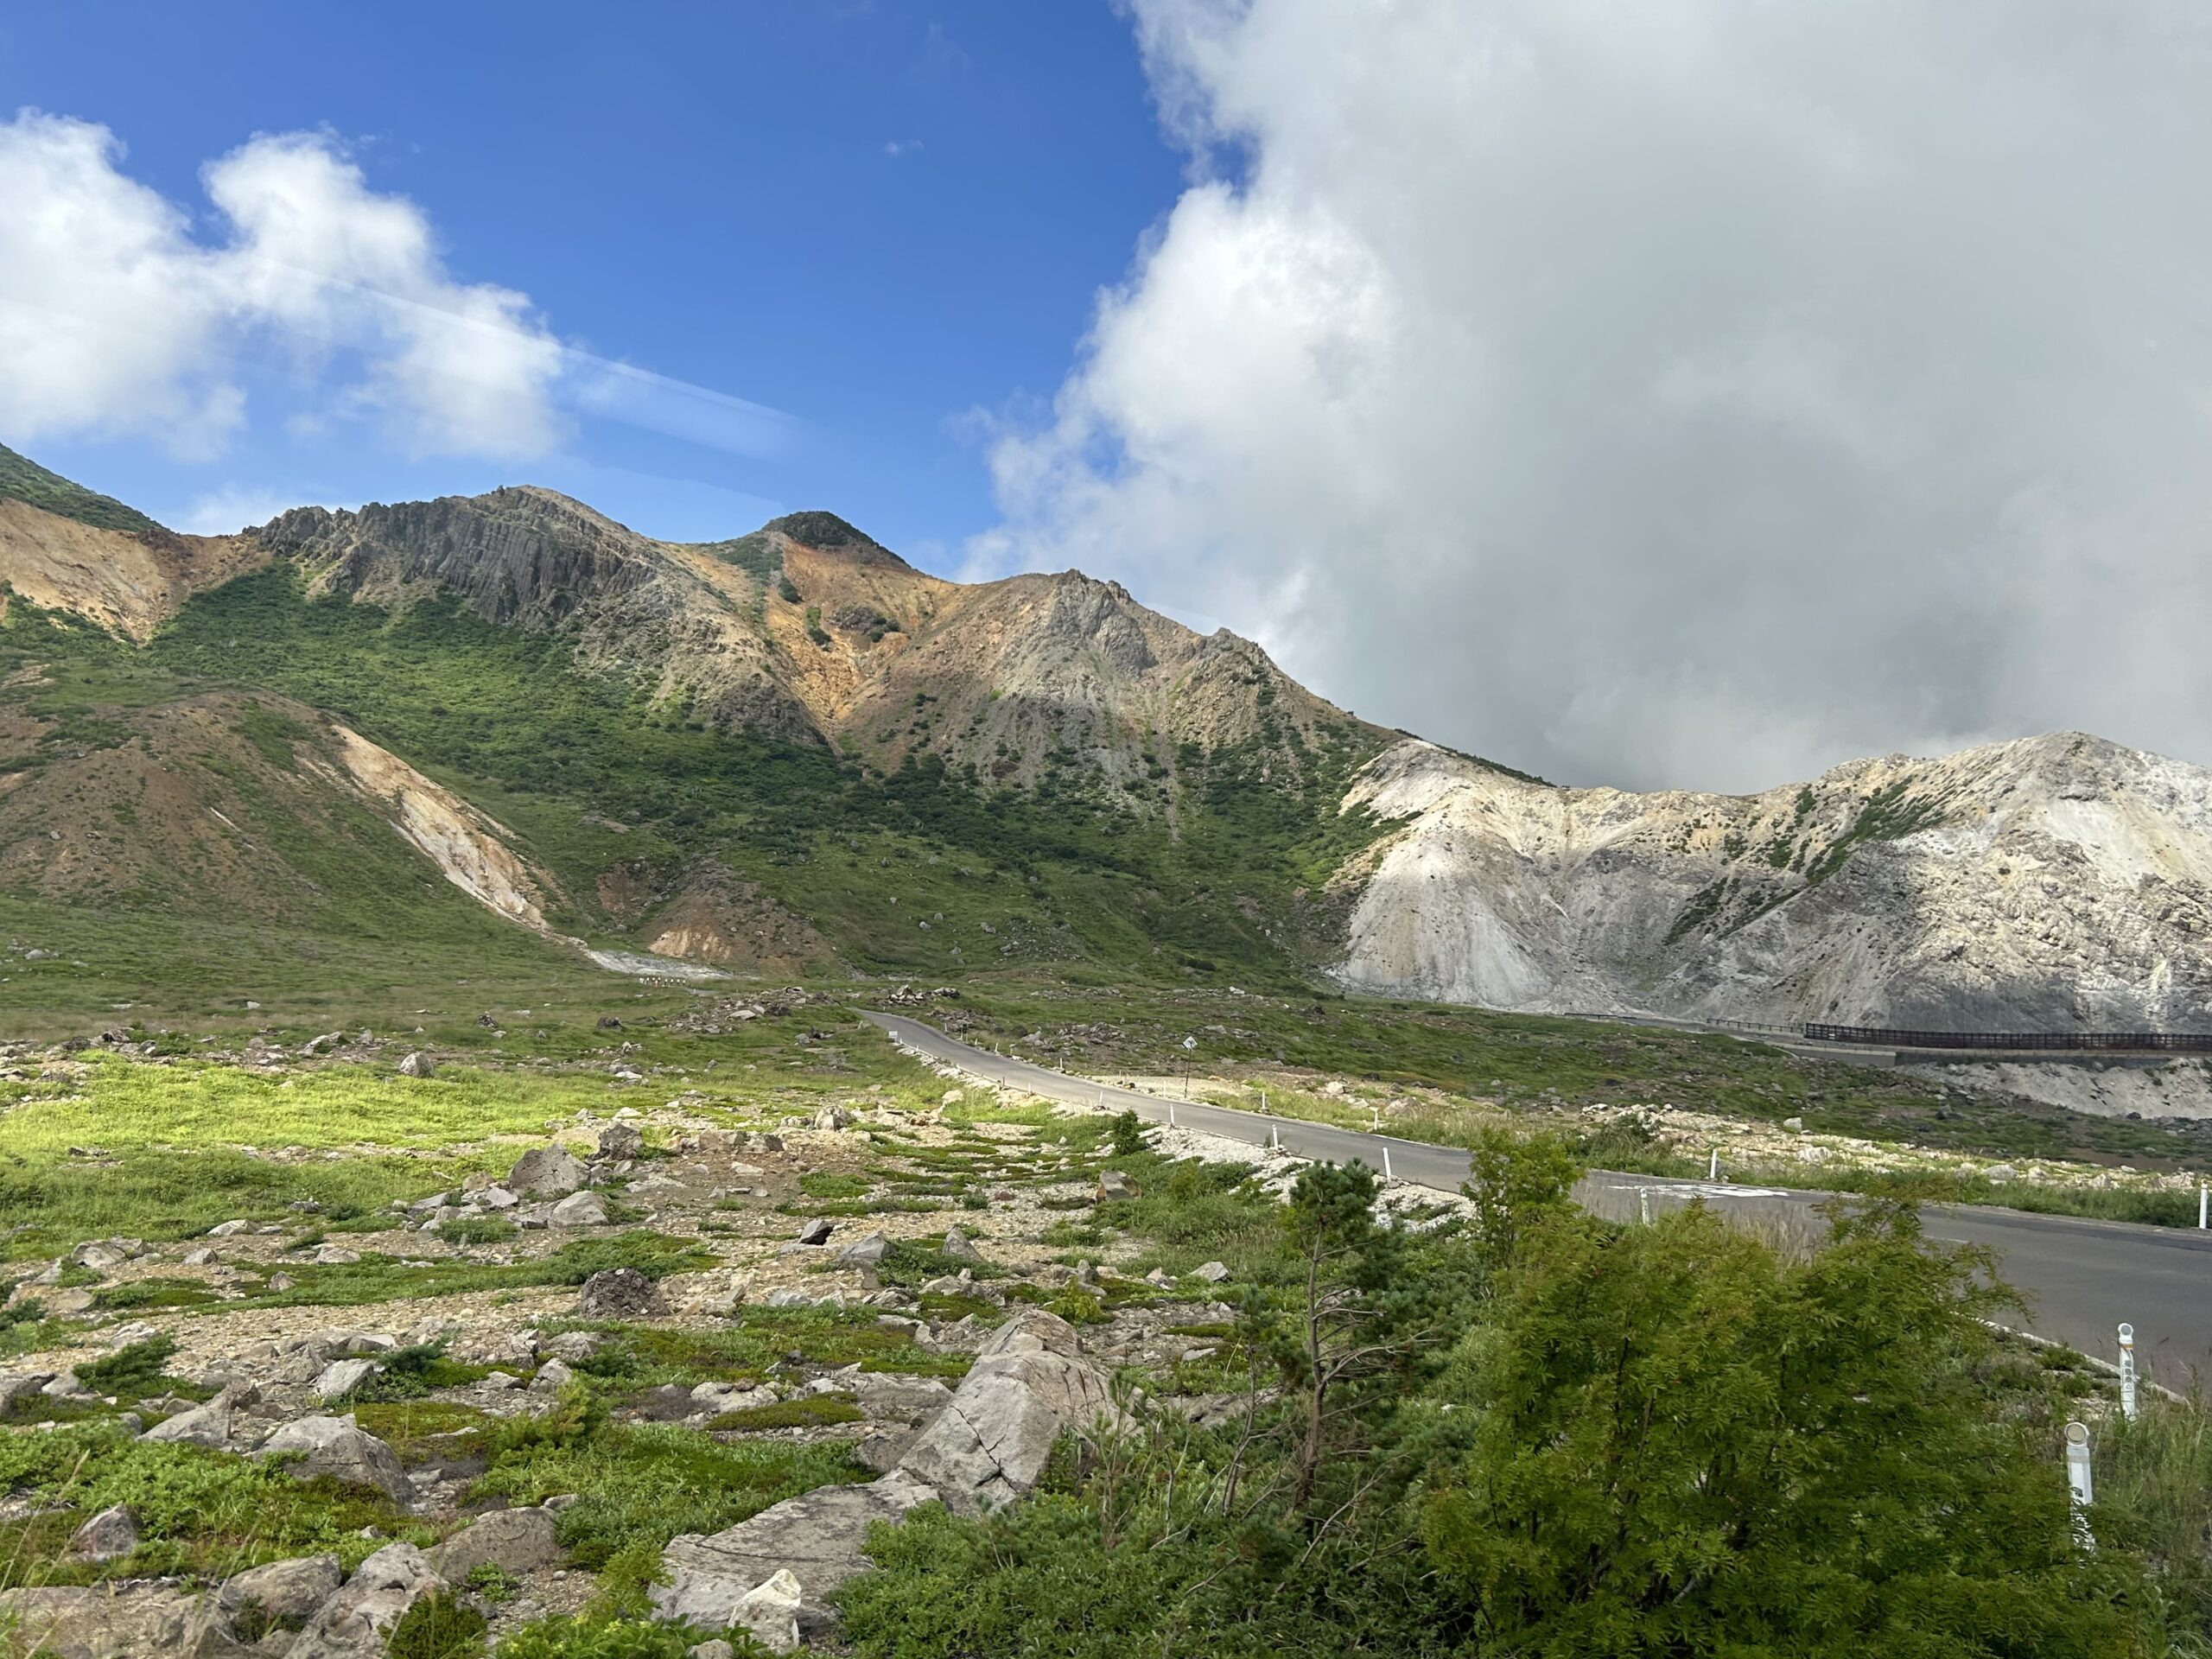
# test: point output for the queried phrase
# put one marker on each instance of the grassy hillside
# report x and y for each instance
(923, 870)
(26, 480)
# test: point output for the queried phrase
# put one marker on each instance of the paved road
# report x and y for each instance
(2081, 1277)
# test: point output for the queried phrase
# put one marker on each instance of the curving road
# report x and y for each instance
(2080, 1277)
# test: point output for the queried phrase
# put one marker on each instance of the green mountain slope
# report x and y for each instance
(1113, 791)
(24, 479)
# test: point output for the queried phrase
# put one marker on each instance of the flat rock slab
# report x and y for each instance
(104, 1623)
(819, 1537)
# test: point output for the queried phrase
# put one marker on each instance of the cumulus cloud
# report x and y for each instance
(1695, 392)
(116, 316)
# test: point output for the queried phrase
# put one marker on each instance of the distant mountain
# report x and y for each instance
(785, 751)
(793, 752)
(2055, 883)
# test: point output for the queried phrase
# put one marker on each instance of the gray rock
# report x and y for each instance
(1029, 1385)
(545, 1173)
(1212, 1272)
(867, 1252)
(719, 1397)
(230, 1229)
(341, 1376)
(552, 1376)
(517, 1541)
(579, 1210)
(21, 1385)
(819, 1537)
(621, 1293)
(816, 1232)
(334, 1446)
(961, 1248)
(418, 1064)
(108, 1536)
(572, 1347)
(336, 1255)
(1112, 1184)
(202, 1257)
(99, 1256)
(102, 1623)
(880, 1449)
(769, 1613)
(496, 1198)
(208, 1425)
(353, 1623)
(286, 1592)
(716, 1649)
(621, 1140)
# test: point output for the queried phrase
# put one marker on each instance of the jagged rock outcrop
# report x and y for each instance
(2055, 883)
(985, 1446)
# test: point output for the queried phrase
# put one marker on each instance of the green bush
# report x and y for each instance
(600, 1639)
(131, 1373)
(808, 1411)
(438, 1627)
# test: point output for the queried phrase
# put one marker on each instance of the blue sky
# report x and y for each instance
(1694, 393)
(882, 220)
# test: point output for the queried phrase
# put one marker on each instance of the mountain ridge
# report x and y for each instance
(792, 751)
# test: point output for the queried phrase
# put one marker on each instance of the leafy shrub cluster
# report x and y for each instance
(1531, 1433)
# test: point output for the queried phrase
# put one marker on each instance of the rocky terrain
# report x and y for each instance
(747, 755)
(2053, 884)
(908, 1340)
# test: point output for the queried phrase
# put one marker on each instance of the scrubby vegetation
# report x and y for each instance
(1544, 1435)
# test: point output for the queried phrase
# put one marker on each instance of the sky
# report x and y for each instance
(1697, 393)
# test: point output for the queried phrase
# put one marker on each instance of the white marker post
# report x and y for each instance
(1643, 1203)
(1171, 1113)
(1387, 1176)
(2078, 1480)
(1274, 1137)
(2127, 1372)
(2204, 1205)
(1712, 1165)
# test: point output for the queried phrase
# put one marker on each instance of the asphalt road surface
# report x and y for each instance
(2080, 1277)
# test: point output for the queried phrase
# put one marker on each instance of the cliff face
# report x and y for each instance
(2053, 883)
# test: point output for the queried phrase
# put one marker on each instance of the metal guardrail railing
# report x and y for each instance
(2118, 1042)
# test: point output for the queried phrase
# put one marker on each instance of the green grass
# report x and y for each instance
(808, 1411)
(202, 1513)
(752, 1347)
(640, 1484)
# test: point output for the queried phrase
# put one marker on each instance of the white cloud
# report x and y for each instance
(1699, 391)
(224, 512)
(114, 316)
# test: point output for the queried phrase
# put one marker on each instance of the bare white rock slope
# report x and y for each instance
(2055, 883)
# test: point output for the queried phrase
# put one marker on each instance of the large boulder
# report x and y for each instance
(1028, 1386)
(336, 1447)
(282, 1594)
(579, 1210)
(620, 1140)
(868, 1252)
(515, 1541)
(353, 1623)
(105, 1623)
(341, 1376)
(818, 1537)
(545, 1173)
(208, 1425)
(987, 1444)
